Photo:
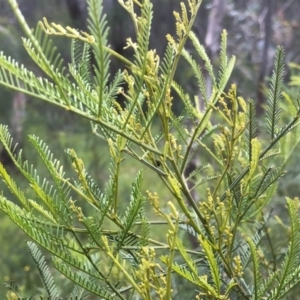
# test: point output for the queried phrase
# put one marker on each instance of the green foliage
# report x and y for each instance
(43, 270)
(115, 253)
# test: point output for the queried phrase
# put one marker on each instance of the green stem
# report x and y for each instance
(192, 204)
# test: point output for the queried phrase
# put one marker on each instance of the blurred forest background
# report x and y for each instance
(255, 28)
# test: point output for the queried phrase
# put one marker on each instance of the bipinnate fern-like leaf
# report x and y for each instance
(97, 25)
(93, 225)
(185, 98)
(79, 292)
(257, 277)
(84, 281)
(134, 210)
(270, 176)
(177, 123)
(143, 33)
(14, 188)
(189, 269)
(243, 249)
(212, 262)
(44, 271)
(114, 88)
(279, 283)
(13, 286)
(261, 191)
(167, 61)
(217, 90)
(44, 192)
(226, 65)
(52, 59)
(196, 171)
(288, 275)
(185, 273)
(251, 130)
(198, 74)
(275, 94)
(223, 56)
(14, 76)
(202, 53)
(41, 233)
(81, 60)
(140, 54)
(204, 180)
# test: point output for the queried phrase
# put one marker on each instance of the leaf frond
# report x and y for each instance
(44, 271)
(275, 94)
(97, 25)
